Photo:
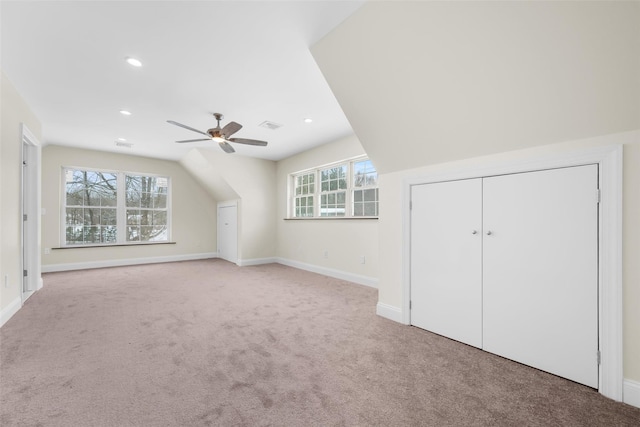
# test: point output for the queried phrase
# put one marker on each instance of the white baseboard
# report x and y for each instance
(256, 261)
(389, 312)
(338, 274)
(125, 261)
(7, 312)
(631, 393)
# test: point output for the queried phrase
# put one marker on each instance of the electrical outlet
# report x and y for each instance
(362, 259)
(6, 280)
(47, 251)
(326, 253)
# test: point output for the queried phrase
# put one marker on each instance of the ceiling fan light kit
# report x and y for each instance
(221, 135)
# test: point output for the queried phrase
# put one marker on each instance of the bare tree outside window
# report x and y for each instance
(94, 213)
(91, 199)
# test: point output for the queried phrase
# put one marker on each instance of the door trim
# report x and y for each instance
(609, 160)
(30, 196)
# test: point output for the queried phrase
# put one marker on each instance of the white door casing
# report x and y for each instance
(30, 211)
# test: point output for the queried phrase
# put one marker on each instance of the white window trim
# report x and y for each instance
(121, 208)
(291, 187)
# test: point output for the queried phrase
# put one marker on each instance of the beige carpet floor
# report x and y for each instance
(206, 343)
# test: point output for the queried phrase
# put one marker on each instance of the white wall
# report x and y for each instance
(426, 83)
(253, 183)
(193, 210)
(302, 242)
(14, 111)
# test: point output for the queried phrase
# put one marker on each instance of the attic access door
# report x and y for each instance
(228, 231)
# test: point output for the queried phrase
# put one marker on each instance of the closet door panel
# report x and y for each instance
(540, 270)
(446, 270)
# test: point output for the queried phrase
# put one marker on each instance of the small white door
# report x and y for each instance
(446, 259)
(228, 232)
(540, 275)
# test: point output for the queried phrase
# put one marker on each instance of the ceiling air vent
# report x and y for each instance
(124, 144)
(270, 125)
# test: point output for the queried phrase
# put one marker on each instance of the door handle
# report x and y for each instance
(474, 232)
(489, 233)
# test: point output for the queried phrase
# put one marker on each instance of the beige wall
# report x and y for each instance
(446, 81)
(430, 82)
(14, 112)
(193, 210)
(250, 181)
(305, 241)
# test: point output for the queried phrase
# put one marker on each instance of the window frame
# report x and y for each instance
(120, 206)
(318, 193)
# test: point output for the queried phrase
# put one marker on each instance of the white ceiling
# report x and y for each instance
(247, 60)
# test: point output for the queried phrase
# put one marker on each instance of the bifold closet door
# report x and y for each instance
(446, 259)
(540, 270)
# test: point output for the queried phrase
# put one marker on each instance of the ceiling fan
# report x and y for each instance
(221, 135)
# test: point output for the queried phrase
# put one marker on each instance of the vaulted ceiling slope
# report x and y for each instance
(248, 60)
(428, 82)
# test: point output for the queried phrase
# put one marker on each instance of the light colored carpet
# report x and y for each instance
(204, 343)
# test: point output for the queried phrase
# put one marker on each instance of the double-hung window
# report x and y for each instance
(345, 190)
(110, 207)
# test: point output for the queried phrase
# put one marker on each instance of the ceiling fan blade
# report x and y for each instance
(226, 147)
(230, 128)
(249, 141)
(193, 140)
(186, 127)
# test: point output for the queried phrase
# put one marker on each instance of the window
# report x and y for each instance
(347, 189)
(333, 194)
(365, 189)
(304, 191)
(107, 207)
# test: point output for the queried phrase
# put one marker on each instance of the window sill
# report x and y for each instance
(331, 218)
(114, 245)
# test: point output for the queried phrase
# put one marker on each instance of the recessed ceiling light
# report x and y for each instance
(125, 113)
(133, 61)
(308, 120)
(122, 139)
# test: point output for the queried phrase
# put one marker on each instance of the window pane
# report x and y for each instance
(133, 198)
(133, 217)
(133, 233)
(91, 216)
(371, 209)
(370, 195)
(357, 209)
(160, 218)
(74, 216)
(160, 201)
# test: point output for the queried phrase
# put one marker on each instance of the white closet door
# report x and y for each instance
(446, 259)
(228, 233)
(540, 276)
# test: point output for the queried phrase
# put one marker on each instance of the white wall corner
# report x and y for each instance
(10, 310)
(338, 274)
(40, 283)
(389, 312)
(631, 393)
